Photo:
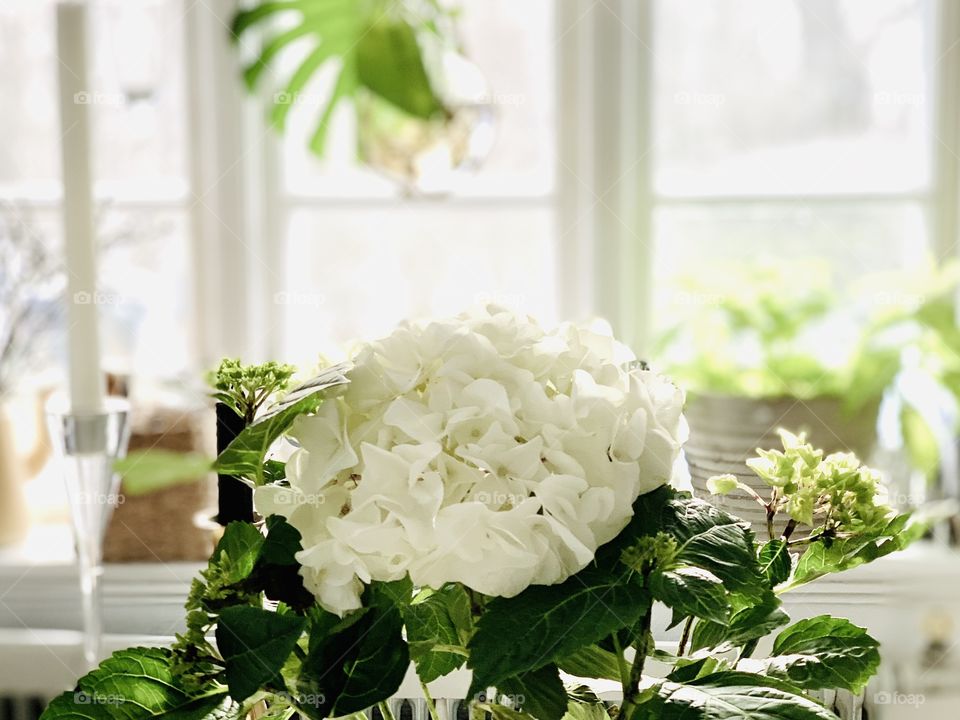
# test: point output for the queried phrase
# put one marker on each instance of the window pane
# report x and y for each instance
(347, 279)
(143, 288)
(791, 96)
(136, 98)
(854, 239)
(146, 273)
(513, 46)
(29, 134)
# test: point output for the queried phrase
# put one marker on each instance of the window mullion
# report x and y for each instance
(946, 150)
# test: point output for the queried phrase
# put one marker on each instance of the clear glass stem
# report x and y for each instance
(91, 601)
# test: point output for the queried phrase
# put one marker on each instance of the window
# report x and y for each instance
(793, 130)
(488, 238)
(633, 142)
(138, 109)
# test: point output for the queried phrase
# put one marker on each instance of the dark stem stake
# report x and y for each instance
(240, 390)
(234, 497)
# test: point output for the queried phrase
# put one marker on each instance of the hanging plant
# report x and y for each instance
(376, 46)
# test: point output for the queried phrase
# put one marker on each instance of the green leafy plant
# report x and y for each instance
(251, 391)
(746, 334)
(375, 48)
(757, 331)
(838, 515)
(257, 637)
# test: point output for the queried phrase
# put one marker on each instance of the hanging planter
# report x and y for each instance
(422, 109)
(427, 155)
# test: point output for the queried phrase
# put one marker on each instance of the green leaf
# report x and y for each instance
(285, 101)
(271, 49)
(345, 86)
(730, 696)
(358, 661)
(544, 623)
(438, 626)
(245, 456)
(247, 18)
(277, 572)
(692, 591)
(274, 471)
(717, 542)
(282, 542)
(398, 593)
(146, 471)
(591, 661)
(824, 653)
(375, 671)
(390, 64)
(137, 684)
(539, 692)
(824, 557)
(586, 711)
(775, 562)
(336, 28)
(255, 643)
(502, 712)
(237, 551)
(689, 669)
(746, 625)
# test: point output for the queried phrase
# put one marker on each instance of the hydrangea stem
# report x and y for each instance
(385, 710)
(622, 665)
(631, 695)
(431, 705)
(685, 636)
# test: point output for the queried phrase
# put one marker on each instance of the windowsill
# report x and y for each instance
(39, 588)
(895, 598)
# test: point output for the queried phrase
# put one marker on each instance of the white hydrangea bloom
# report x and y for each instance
(480, 450)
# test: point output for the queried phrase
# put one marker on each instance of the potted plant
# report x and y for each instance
(752, 356)
(422, 110)
(480, 492)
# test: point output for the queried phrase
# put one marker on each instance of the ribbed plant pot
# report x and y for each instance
(726, 430)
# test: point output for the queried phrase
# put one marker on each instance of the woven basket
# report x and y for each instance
(168, 525)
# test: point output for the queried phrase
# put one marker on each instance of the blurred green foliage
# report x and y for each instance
(766, 331)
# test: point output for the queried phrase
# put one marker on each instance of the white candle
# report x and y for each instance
(86, 375)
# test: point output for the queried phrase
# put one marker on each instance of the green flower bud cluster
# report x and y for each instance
(649, 552)
(245, 388)
(836, 493)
